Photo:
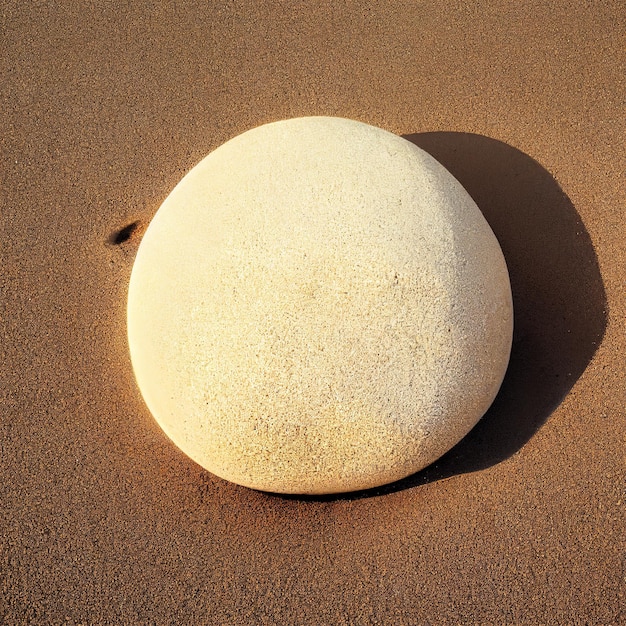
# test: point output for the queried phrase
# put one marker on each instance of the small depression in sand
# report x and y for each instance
(318, 307)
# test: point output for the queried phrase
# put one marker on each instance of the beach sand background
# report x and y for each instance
(105, 106)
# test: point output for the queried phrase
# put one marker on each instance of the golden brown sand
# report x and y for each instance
(105, 106)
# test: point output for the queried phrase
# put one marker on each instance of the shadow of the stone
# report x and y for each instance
(558, 298)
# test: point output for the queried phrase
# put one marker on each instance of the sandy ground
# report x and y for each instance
(105, 106)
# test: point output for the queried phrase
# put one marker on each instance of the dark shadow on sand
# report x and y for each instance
(558, 297)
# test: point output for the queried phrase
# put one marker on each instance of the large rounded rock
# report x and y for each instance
(318, 307)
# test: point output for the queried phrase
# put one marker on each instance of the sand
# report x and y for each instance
(104, 108)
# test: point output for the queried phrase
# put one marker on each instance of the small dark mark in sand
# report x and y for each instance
(124, 234)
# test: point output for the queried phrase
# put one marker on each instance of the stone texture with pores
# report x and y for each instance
(318, 307)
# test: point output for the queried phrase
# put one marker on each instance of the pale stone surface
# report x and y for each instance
(318, 307)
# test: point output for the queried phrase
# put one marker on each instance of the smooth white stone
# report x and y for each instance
(318, 307)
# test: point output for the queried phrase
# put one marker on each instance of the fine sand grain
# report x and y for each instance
(105, 106)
